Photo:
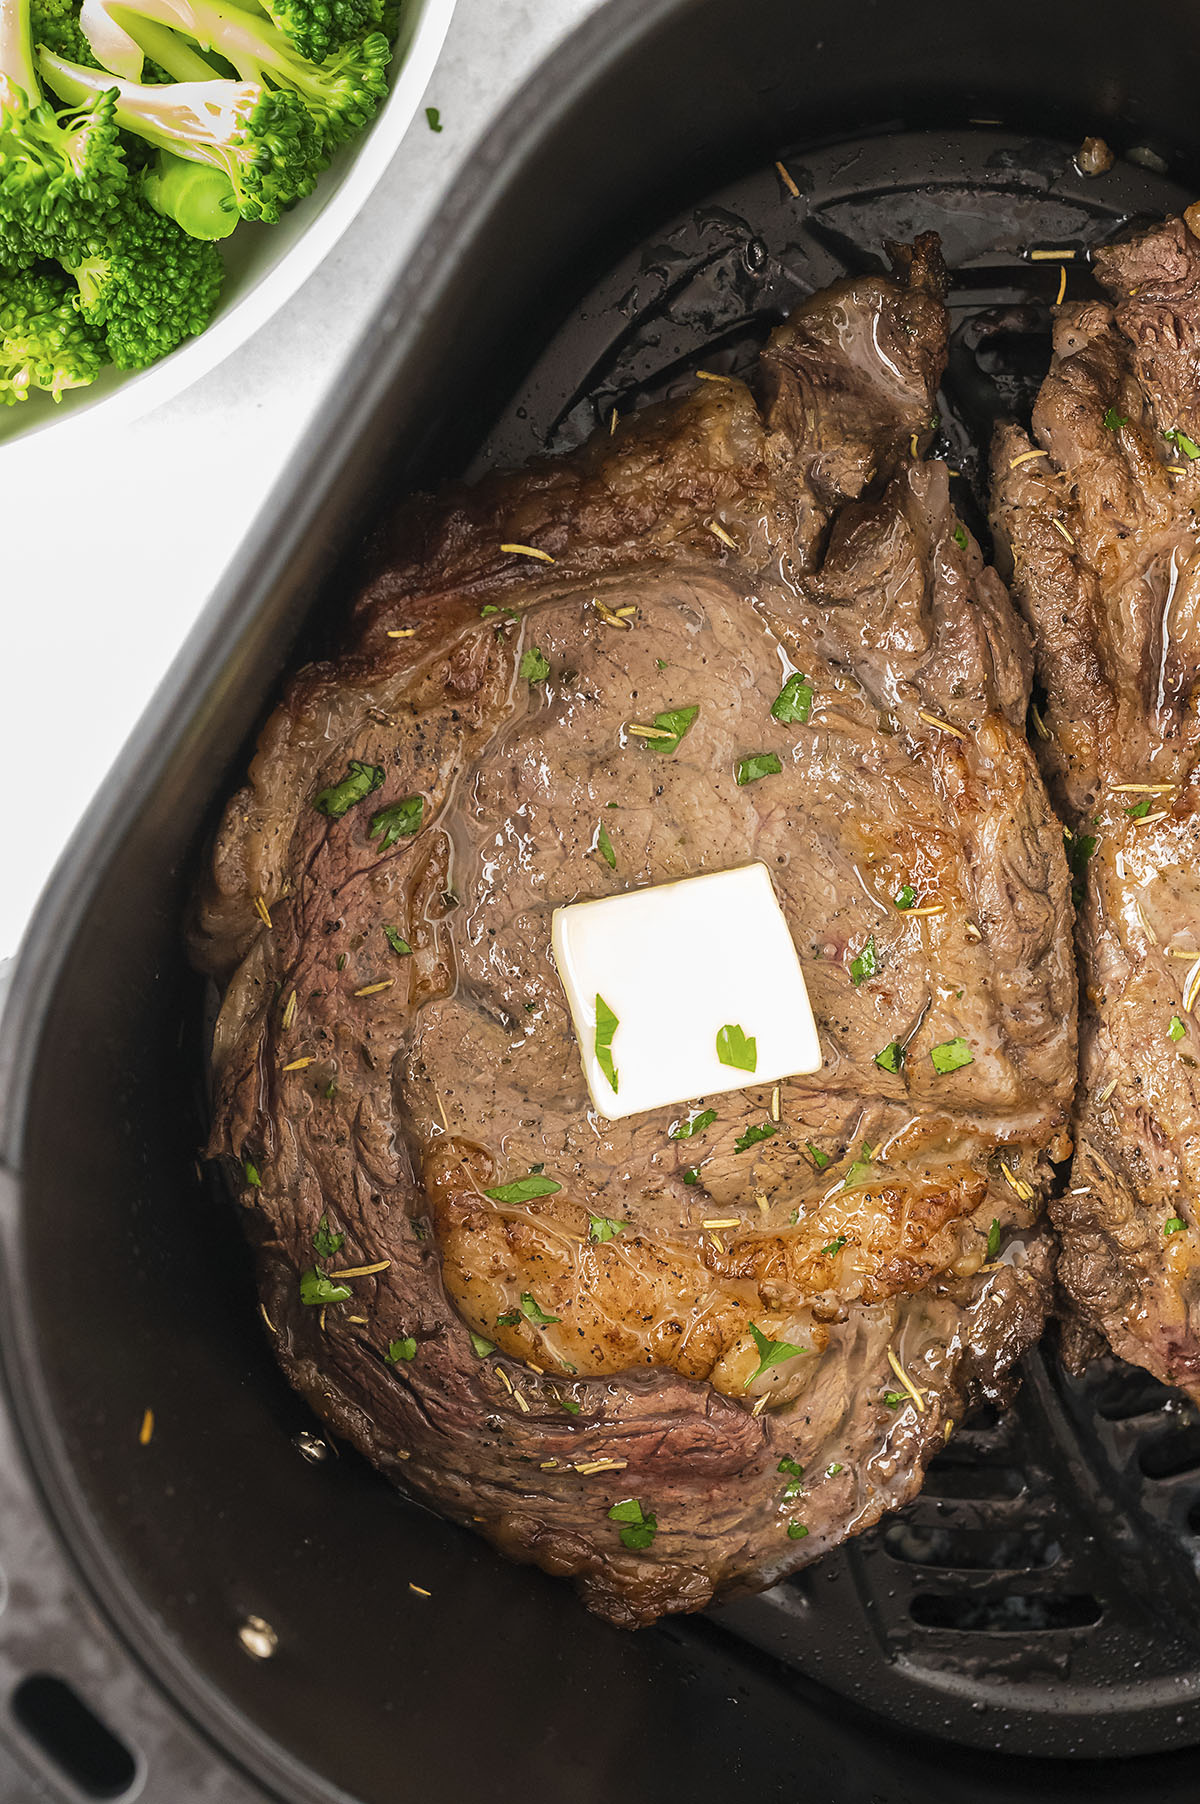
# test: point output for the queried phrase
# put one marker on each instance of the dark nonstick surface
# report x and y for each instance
(124, 1281)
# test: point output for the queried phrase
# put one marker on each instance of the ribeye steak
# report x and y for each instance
(1099, 514)
(394, 1046)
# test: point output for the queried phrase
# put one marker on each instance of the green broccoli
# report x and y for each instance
(59, 174)
(45, 343)
(319, 27)
(147, 283)
(197, 196)
(55, 23)
(264, 142)
(342, 92)
(156, 54)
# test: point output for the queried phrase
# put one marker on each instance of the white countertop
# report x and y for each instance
(91, 619)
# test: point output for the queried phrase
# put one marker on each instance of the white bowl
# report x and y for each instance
(264, 265)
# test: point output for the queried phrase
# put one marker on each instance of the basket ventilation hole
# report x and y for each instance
(974, 1482)
(1169, 1455)
(1017, 1613)
(1131, 1393)
(970, 1549)
(71, 1735)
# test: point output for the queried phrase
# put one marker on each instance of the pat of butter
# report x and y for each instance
(675, 964)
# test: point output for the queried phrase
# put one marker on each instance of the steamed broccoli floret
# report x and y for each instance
(147, 283)
(157, 54)
(45, 343)
(264, 142)
(319, 27)
(342, 92)
(55, 23)
(59, 173)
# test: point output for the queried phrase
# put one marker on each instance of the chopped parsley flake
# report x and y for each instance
(639, 1525)
(355, 786)
(533, 1313)
(905, 896)
(993, 1240)
(535, 666)
(509, 1319)
(865, 964)
(396, 822)
(1174, 1224)
(675, 721)
(892, 1056)
(569, 1404)
(1183, 443)
(763, 764)
(796, 1531)
(1113, 421)
(326, 1242)
(315, 1287)
(691, 1175)
(894, 1399)
(524, 1190)
(1140, 810)
(481, 1346)
(640, 1535)
(819, 1159)
(397, 942)
(491, 608)
(859, 1167)
(1079, 848)
(433, 118)
(737, 1049)
(606, 1026)
(770, 1353)
(764, 1131)
(252, 1174)
(832, 1471)
(951, 1055)
(603, 1227)
(794, 701)
(960, 537)
(604, 846)
(834, 1246)
(401, 1349)
(790, 1466)
(695, 1124)
(1176, 1030)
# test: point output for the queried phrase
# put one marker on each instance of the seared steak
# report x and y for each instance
(525, 1314)
(1099, 512)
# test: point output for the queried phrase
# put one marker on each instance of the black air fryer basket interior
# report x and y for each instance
(626, 222)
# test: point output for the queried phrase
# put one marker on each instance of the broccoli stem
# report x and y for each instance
(16, 51)
(196, 196)
(249, 41)
(163, 115)
(170, 52)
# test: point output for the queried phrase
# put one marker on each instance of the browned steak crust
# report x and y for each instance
(887, 1225)
(1099, 513)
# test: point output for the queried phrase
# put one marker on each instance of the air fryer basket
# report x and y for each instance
(1040, 1600)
